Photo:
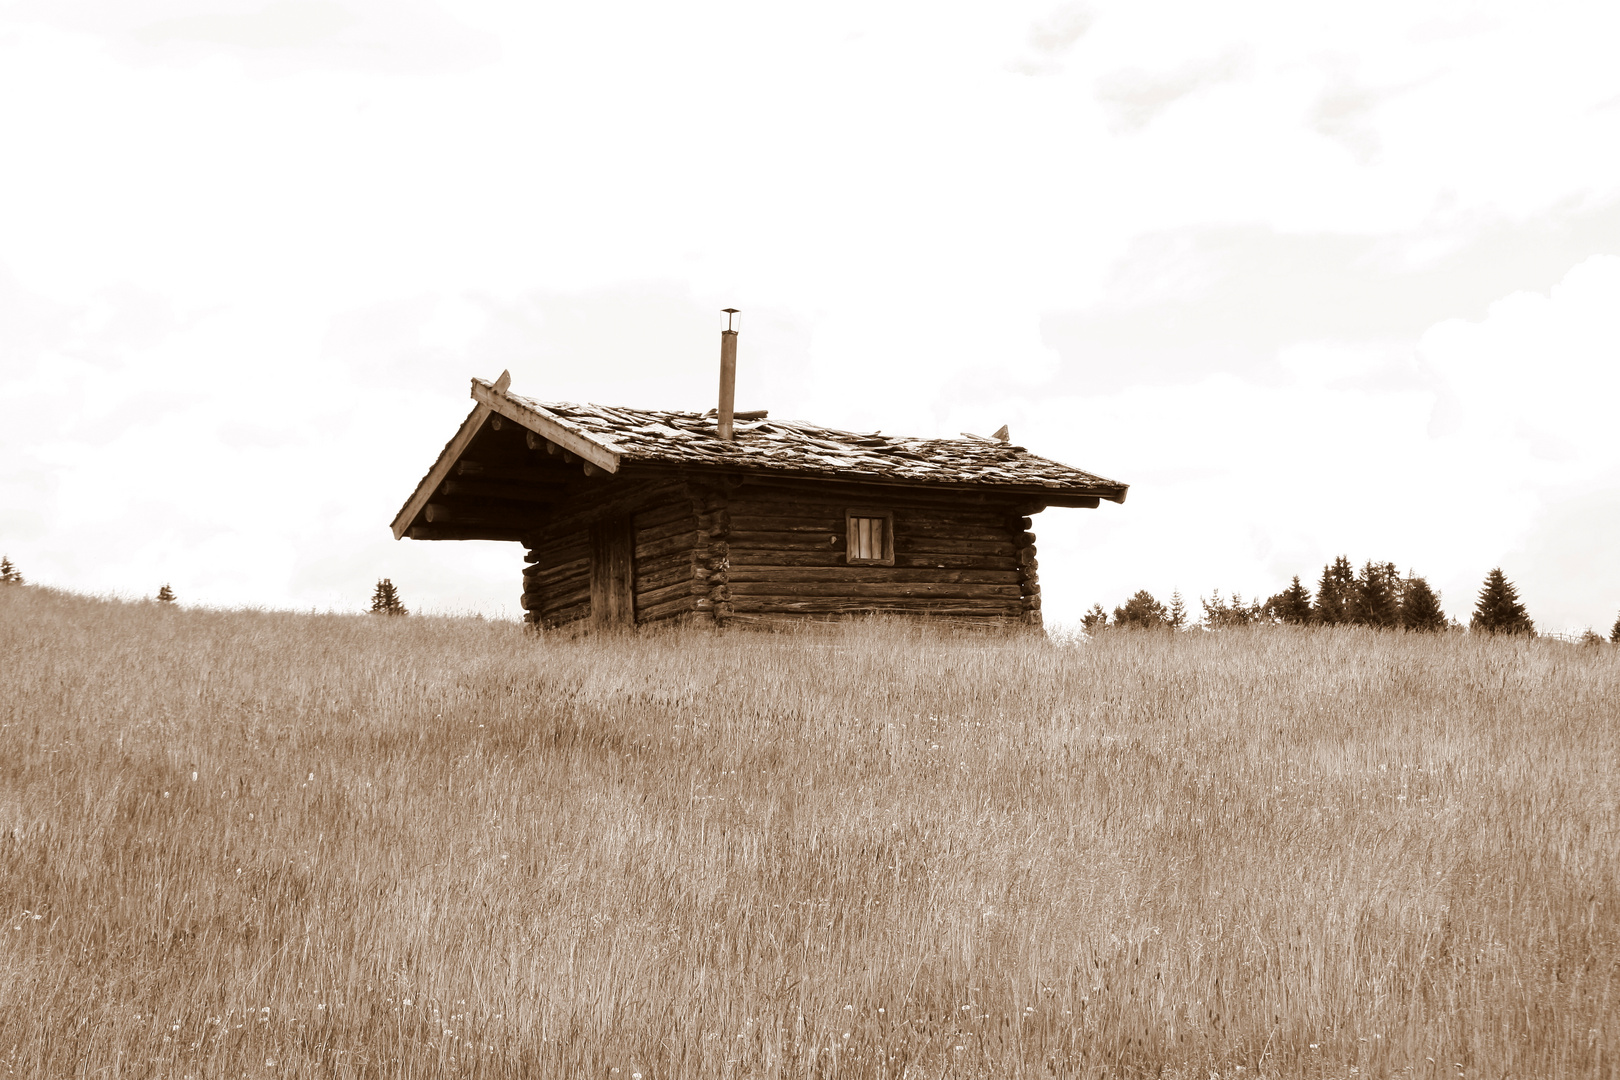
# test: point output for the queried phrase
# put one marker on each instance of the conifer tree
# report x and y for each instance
(1335, 593)
(1614, 635)
(1498, 610)
(1292, 605)
(1420, 607)
(1094, 620)
(166, 594)
(1377, 602)
(1220, 614)
(385, 601)
(1141, 612)
(1178, 611)
(9, 574)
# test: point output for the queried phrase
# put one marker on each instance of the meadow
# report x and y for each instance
(274, 844)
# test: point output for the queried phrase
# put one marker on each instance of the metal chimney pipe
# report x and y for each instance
(728, 373)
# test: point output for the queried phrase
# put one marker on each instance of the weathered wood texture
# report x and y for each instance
(612, 569)
(575, 571)
(760, 552)
(786, 554)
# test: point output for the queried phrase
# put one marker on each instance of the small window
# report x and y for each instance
(871, 538)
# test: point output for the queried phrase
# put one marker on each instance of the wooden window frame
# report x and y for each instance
(887, 517)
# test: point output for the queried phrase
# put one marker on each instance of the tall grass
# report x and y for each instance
(277, 844)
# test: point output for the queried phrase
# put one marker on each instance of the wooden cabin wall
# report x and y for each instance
(672, 563)
(962, 555)
(769, 551)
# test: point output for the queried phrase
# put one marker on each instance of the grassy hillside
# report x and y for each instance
(279, 844)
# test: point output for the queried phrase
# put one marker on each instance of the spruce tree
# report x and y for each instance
(385, 601)
(1095, 620)
(1420, 607)
(1141, 612)
(9, 574)
(1292, 605)
(1614, 635)
(1335, 593)
(1376, 602)
(1178, 611)
(1498, 610)
(166, 594)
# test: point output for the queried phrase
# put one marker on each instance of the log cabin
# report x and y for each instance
(639, 516)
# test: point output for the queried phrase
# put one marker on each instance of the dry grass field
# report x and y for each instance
(271, 844)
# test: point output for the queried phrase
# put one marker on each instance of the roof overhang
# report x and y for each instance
(604, 455)
(601, 454)
(491, 400)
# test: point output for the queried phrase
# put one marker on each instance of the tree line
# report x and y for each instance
(384, 599)
(1377, 596)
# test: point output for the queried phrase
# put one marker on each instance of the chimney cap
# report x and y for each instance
(733, 322)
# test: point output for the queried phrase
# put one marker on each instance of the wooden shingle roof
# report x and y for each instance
(671, 437)
(607, 438)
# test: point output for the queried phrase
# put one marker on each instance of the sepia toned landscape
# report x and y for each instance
(253, 843)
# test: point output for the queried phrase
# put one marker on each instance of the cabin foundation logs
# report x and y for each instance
(711, 557)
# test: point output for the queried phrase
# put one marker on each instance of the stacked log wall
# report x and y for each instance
(557, 574)
(956, 555)
(666, 536)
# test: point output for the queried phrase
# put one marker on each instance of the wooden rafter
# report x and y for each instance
(546, 426)
(441, 469)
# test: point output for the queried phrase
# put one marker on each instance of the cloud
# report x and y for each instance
(1051, 36)
(1186, 303)
(1134, 97)
(1565, 567)
(101, 329)
(278, 36)
(29, 324)
(1495, 446)
(1342, 112)
(1540, 371)
(284, 24)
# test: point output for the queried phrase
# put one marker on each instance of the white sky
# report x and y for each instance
(1312, 279)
